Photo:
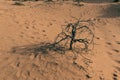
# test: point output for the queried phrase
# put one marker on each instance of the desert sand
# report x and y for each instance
(23, 28)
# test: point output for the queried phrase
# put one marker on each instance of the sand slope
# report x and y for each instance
(23, 28)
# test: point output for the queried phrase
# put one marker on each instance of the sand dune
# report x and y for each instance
(23, 28)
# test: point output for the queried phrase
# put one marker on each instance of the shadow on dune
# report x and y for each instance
(97, 1)
(112, 11)
(42, 48)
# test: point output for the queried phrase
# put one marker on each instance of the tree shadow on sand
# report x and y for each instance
(111, 12)
(42, 48)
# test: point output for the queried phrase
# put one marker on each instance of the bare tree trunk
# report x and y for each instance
(73, 37)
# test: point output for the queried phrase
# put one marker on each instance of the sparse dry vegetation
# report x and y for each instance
(75, 33)
(41, 40)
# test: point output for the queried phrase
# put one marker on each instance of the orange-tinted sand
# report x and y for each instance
(24, 27)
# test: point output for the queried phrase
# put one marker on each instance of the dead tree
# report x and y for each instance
(70, 35)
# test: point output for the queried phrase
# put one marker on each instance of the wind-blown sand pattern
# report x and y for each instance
(23, 28)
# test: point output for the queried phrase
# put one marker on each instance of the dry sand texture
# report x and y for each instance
(24, 27)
